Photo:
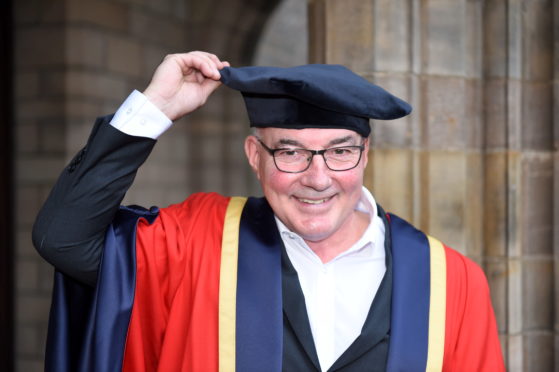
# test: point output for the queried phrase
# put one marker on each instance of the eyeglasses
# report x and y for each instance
(294, 160)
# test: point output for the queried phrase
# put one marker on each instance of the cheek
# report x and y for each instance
(276, 184)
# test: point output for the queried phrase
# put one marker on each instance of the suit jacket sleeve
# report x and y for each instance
(70, 228)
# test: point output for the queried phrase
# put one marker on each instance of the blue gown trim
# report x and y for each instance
(410, 298)
(259, 331)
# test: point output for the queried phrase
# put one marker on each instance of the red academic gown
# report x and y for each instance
(175, 312)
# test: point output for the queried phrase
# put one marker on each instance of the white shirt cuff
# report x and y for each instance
(137, 116)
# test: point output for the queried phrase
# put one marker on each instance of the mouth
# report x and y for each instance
(314, 201)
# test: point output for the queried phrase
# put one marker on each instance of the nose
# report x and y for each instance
(317, 176)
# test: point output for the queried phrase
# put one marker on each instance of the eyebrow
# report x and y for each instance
(335, 141)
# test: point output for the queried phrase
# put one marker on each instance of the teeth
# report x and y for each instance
(308, 201)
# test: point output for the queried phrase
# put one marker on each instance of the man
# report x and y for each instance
(315, 276)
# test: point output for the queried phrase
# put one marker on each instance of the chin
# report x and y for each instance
(315, 233)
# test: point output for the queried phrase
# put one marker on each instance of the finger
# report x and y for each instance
(200, 62)
(209, 86)
(215, 59)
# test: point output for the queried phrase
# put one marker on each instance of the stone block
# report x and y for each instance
(52, 84)
(446, 38)
(24, 248)
(538, 353)
(29, 364)
(453, 113)
(53, 136)
(317, 34)
(27, 275)
(228, 13)
(389, 177)
(77, 133)
(391, 35)
(515, 115)
(495, 108)
(168, 8)
(393, 133)
(27, 204)
(515, 353)
(514, 46)
(514, 204)
(537, 40)
(152, 56)
(350, 34)
(38, 12)
(27, 138)
(516, 297)
(31, 170)
(46, 276)
(124, 55)
(32, 309)
(109, 15)
(95, 84)
(26, 340)
(39, 109)
(496, 204)
(284, 39)
(473, 213)
(537, 210)
(504, 340)
(453, 206)
(496, 271)
(495, 39)
(39, 46)
(538, 291)
(26, 85)
(85, 47)
(157, 29)
(537, 120)
(211, 177)
(79, 108)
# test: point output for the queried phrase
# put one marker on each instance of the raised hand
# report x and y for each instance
(183, 82)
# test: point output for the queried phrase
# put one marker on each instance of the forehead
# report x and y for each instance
(309, 136)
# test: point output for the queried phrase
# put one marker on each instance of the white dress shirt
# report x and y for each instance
(338, 294)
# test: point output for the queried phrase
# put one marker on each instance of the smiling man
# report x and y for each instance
(315, 276)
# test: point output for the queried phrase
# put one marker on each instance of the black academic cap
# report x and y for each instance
(312, 96)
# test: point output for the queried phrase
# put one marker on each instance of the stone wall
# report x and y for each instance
(474, 163)
(75, 60)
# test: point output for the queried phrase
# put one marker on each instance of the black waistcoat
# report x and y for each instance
(369, 352)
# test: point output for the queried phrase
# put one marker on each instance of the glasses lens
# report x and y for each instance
(292, 160)
(343, 158)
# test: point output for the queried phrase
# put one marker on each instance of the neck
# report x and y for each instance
(331, 247)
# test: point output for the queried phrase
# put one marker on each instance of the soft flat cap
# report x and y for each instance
(312, 96)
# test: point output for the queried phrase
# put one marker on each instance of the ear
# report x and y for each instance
(253, 154)
(366, 152)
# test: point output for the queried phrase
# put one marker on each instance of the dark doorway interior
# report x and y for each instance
(6, 187)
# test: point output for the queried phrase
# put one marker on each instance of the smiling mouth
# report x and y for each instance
(314, 201)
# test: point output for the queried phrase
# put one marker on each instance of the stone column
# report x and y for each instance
(518, 101)
(473, 164)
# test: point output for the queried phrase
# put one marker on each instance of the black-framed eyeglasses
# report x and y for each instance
(296, 160)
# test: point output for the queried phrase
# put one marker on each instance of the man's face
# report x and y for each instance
(317, 203)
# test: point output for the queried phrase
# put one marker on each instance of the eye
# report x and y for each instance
(288, 153)
(341, 151)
